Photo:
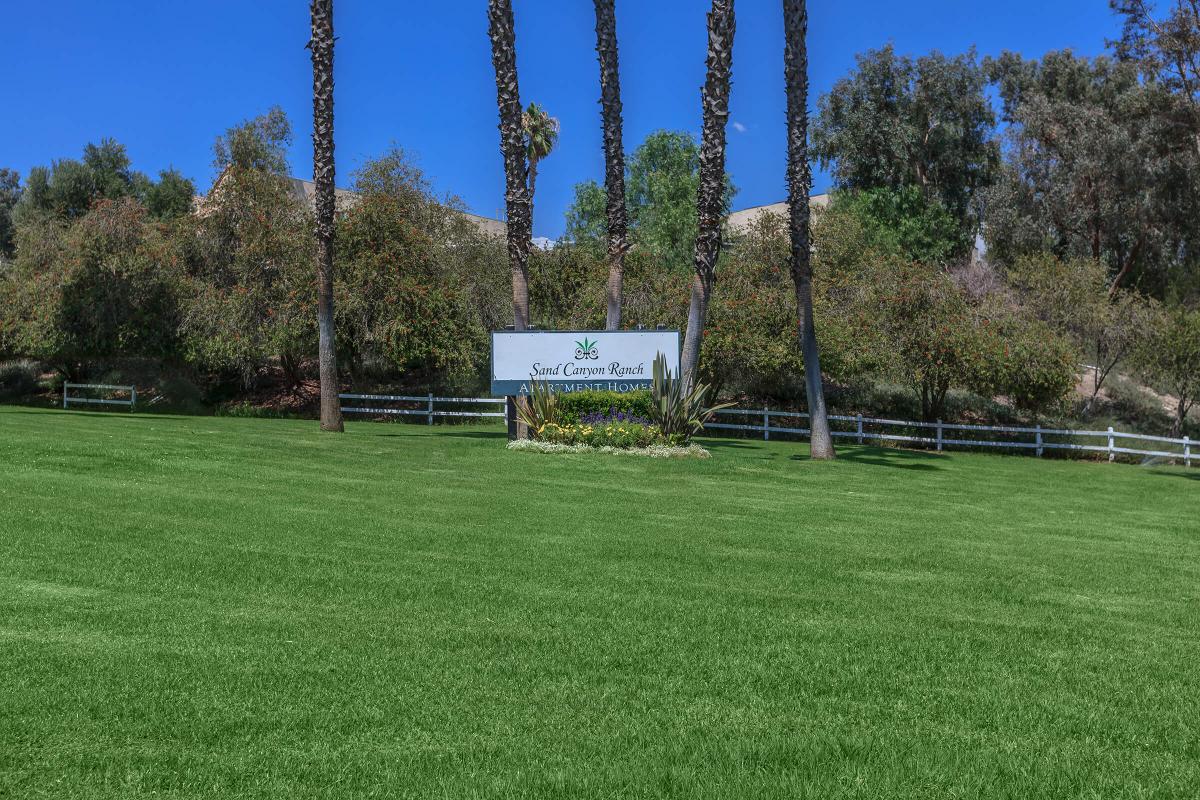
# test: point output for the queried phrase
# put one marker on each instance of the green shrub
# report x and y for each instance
(18, 379)
(573, 406)
(177, 392)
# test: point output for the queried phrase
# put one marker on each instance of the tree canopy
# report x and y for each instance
(896, 122)
(10, 194)
(257, 143)
(1091, 170)
(68, 188)
(662, 177)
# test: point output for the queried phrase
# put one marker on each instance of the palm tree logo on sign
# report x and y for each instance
(586, 350)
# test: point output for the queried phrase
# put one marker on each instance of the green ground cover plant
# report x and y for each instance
(574, 406)
(220, 607)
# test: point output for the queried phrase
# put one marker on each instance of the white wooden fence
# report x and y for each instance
(130, 401)
(941, 435)
(429, 411)
(862, 430)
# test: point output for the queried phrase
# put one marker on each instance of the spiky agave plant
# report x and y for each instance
(674, 409)
(541, 407)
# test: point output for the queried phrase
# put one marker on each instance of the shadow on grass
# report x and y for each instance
(475, 434)
(421, 430)
(897, 459)
(728, 444)
(1187, 476)
(165, 416)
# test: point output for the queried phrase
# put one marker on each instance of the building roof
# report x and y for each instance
(344, 199)
(738, 221)
(743, 220)
(306, 192)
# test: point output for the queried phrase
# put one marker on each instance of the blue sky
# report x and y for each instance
(165, 78)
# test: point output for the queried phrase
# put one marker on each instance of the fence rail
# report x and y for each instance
(429, 411)
(858, 428)
(129, 390)
(1041, 438)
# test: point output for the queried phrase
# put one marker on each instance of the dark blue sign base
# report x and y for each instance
(519, 388)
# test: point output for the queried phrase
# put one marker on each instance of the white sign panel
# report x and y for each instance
(571, 361)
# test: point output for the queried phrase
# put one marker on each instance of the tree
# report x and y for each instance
(1092, 171)
(565, 285)
(1167, 51)
(907, 221)
(171, 197)
(662, 181)
(710, 206)
(541, 135)
(258, 143)
(1072, 296)
(512, 146)
(321, 45)
(897, 122)
(614, 156)
(1171, 359)
(417, 286)
(249, 292)
(795, 57)
(68, 188)
(101, 288)
(10, 195)
(936, 344)
(109, 166)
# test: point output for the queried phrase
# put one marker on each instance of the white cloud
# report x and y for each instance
(739, 127)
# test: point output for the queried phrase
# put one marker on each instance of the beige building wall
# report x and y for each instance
(741, 221)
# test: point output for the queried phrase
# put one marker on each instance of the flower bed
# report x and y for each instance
(577, 406)
(657, 423)
(621, 431)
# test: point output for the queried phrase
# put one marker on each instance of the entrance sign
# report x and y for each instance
(571, 361)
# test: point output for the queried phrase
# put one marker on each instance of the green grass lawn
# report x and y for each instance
(207, 607)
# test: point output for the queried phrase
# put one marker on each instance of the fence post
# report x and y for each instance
(429, 412)
(1111, 455)
(766, 424)
(132, 398)
(939, 435)
(1187, 452)
(1039, 440)
(66, 386)
(858, 420)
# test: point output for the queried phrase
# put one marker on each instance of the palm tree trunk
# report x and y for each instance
(614, 156)
(533, 164)
(694, 335)
(710, 197)
(321, 46)
(795, 57)
(517, 204)
(512, 146)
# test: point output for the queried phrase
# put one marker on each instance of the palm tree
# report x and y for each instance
(321, 46)
(541, 135)
(795, 61)
(512, 146)
(517, 203)
(614, 155)
(710, 196)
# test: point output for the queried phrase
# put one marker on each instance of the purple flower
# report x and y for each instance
(613, 416)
